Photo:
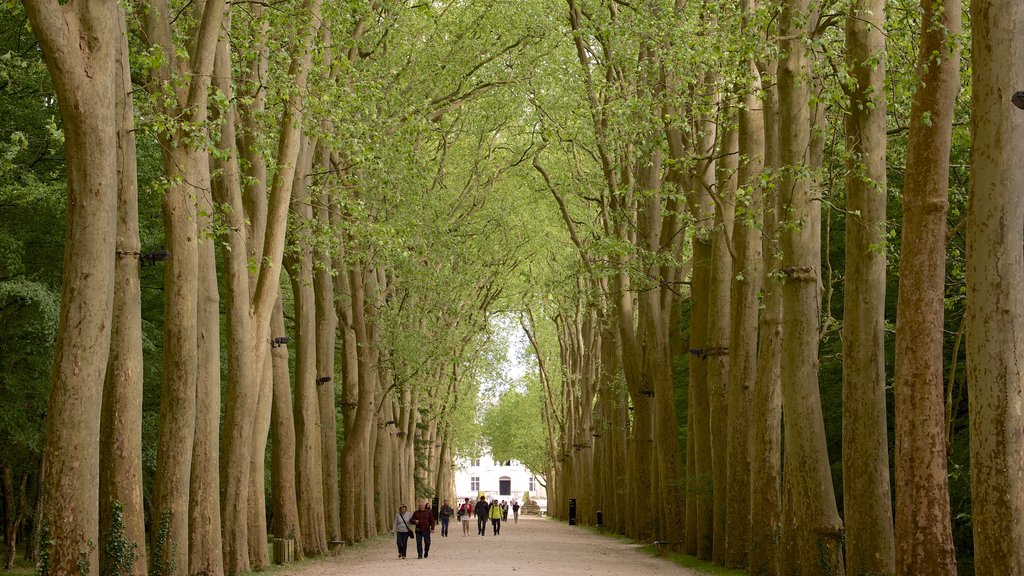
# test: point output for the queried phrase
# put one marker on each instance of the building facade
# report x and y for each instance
(502, 480)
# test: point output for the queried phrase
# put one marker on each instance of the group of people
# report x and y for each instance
(422, 522)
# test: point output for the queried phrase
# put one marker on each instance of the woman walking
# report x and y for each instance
(465, 512)
(403, 529)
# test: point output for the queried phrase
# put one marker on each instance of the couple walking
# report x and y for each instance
(421, 522)
(483, 512)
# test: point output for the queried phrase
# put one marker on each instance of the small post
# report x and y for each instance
(572, 511)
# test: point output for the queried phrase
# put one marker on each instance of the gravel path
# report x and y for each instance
(534, 546)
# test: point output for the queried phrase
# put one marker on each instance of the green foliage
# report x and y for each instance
(513, 428)
(163, 549)
(119, 553)
(45, 548)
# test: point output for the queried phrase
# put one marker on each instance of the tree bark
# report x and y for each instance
(282, 473)
(204, 485)
(256, 532)
(79, 42)
(121, 426)
(746, 285)
(716, 351)
(817, 528)
(308, 458)
(924, 540)
(766, 416)
(867, 498)
(995, 301)
(326, 337)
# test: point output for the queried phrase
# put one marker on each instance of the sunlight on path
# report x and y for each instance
(532, 547)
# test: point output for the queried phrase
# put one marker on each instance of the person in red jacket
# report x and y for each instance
(423, 521)
(465, 512)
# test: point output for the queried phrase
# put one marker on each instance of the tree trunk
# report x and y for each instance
(183, 170)
(717, 349)
(817, 528)
(995, 301)
(867, 499)
(924, 539)
(766, 416)
(308, 458)
(256, 532)
(326, 337)
(79, 42)
(746, 286)
(282, 472)
(121, 426)
(204, 488)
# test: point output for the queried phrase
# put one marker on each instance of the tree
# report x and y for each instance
(995, 274)
(816, 528)
(922, 529)
(866, 495)
(80, 42)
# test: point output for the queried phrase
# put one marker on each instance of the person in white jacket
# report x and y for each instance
(403, 529)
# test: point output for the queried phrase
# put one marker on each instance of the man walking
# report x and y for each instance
(423, 520)
(446, 516)
(481, 515)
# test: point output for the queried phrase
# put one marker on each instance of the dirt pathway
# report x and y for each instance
(532, 547)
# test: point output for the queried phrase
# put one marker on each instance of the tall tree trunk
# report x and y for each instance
(308, 459)
(79, 42)
(356, 447)
(867, 499)
(717, 349)
(746, 286)
(242, 396)
(766, 416)
(924, 539)
(817, 528)
(121, 426)
(184, 170)
(326, 337)
(256, 532)
(995, 279)
(282, 472)
(204, 484)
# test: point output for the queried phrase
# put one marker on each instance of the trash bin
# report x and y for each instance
(600, 519)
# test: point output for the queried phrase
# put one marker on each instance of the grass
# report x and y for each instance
(21, 568)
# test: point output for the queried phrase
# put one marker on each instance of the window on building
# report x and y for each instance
(474, 462)
(508, 462)
(504, 486)
(474, 483)
(533, 484)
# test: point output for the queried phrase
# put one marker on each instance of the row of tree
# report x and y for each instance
(342, 144)
(708, 158)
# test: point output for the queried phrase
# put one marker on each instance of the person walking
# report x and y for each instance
(495, 516)
(481, 515)
(515, 511)
(423, 520)
(504, 511)
(446, 516)
(465, 512)
(402, 529)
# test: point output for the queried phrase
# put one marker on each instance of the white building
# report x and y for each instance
(507, 480)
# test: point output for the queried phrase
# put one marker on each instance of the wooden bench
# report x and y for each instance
(663, 546)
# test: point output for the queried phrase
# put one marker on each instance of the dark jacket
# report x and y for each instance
(424, 520)
(481, 509)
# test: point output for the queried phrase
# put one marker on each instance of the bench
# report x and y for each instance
(663, 546)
